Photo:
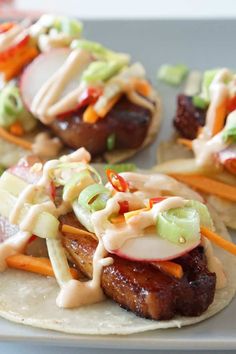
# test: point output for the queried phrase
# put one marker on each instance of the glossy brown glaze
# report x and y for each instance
(188, 119)
(141, 287)
(126, 120)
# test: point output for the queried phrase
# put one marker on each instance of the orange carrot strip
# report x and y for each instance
(185, 142)
(16, 129)
(170, 268)
(219, 122)
(109, 105)
(34, 265)
(21, 60)
(142, 87)
(219, 240)
(14, 140)
(208, 185)
(74, 230)
(90, 115)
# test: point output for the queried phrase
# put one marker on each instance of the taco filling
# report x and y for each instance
(206, 120)
(84, 94)
(142, 240)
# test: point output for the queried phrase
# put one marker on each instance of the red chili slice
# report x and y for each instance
(124, 207)
(156, 200)
(52, 190)
(89, 96)
(117, 182)
(32, 238)
(231, 106)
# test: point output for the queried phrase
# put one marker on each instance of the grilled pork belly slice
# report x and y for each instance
(126, 120)
(141, 287)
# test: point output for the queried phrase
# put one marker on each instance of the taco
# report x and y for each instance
(59, 90)
(206, 123)
(140, 243)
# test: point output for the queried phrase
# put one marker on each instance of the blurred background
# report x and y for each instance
(125, 8)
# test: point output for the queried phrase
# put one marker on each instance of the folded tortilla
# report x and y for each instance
(30, 299)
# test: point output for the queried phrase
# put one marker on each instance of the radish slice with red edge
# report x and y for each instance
(153, 248)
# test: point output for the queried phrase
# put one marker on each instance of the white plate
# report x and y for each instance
(199, 44)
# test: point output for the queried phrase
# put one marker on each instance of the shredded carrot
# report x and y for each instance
(19, 62)
(170, 268)
(34, 265)
(109, 105)
(219, 240)
(117, 219)
(90, 115)
(219, 122)
(142, 87)
(16, 129)
(15, 140)
(76, 231)
(185, 142)
(208, 185)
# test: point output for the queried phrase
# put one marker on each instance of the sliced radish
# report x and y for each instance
(39, 71)
(153, 248)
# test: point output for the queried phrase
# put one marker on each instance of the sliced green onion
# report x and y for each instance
(208, 77)
(111, 141)
(203, 212)
(65, 171)
(10, 105)
(99, 51)
(101, 71)
(83, 215)
(72, 27)
(178, 225)
(76, 184)
(172, 75)
(121, 167)
(230, 135)
(87, 198)
(199, 102)
(229, 131)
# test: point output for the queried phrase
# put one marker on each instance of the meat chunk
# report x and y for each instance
(188, 119)
(141, 287)
(127, 121)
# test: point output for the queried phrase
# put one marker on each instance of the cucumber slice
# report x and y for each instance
(59, 262)
(12, 183)
(45, 225)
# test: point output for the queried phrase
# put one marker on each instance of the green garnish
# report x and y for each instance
(101, 71)
(122, 167)
(199, 102)
(94, 197)
(72, 27)
(182, 224)
(99, 51)
(229, 131)
(111, 141)
(172, 75)
(10, 105)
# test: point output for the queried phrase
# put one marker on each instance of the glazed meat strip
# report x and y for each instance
(141, 287)
(125, 120)
(188, 119)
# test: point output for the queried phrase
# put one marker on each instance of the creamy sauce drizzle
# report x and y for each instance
(11, 37)
(205, 147)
